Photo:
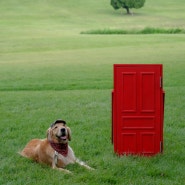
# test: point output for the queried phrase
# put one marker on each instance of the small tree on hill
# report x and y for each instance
(127, 4)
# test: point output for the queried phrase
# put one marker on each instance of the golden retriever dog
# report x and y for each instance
(53, 150)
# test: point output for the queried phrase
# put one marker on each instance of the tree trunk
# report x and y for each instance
(128, 10)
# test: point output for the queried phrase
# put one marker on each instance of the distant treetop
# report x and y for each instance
(127, 4)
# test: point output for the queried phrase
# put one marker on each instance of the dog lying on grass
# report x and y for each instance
(53, 150)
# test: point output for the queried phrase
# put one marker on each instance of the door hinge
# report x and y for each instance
(161, 146)
(161, 82)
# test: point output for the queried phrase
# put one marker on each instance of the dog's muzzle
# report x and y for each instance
(62, 134)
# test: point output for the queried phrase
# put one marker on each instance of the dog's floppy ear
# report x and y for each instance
(48, 133)
(69, 133)
(58, 121)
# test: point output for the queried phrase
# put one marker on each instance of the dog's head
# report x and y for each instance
(58, 132)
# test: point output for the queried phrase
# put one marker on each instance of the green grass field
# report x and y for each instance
(49, 70)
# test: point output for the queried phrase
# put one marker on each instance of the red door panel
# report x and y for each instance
(131, 145)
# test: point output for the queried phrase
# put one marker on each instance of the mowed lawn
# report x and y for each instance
(48, 70)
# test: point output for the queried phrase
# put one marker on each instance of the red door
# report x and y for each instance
(137, 109)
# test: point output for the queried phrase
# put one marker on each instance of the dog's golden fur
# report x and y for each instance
(41, 151)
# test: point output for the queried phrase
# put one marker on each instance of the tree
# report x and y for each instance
(127, 4)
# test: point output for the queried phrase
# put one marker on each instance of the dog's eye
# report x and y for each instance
(55, 127)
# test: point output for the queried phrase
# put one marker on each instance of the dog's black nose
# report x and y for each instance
(63, 130)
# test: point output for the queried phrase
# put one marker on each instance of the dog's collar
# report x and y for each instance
(60, 148)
